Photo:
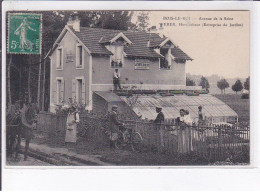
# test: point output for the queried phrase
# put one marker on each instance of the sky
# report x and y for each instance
(221, 50)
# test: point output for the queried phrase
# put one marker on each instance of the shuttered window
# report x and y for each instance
(79, 56)
(59, 91)
(79, 90)
(59, 58)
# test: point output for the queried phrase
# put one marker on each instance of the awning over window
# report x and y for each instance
(212, 106)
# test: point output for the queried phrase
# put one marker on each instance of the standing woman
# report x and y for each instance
(72, 120)
(182, 147)
(189, 133)
(184, 135)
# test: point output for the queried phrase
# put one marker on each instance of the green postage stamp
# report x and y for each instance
(24, 33)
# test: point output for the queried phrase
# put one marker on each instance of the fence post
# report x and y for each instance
(161, 136)
(219, 141)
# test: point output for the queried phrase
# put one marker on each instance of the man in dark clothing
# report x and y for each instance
(114, 125)
(160, 116)
(116, 79)
(159, 127)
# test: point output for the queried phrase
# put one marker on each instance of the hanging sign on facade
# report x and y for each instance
(142, 64)
(24, 33)
(69, 57)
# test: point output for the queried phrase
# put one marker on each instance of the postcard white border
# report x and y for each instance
(167, 177)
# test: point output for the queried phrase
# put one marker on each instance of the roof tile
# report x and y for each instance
(93, 38)
(179, 54)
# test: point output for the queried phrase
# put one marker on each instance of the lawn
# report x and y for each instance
(240, 106)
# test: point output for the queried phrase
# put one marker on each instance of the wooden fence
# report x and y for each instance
(214, 142)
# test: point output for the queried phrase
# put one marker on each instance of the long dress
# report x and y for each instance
(184, 135)
(71, 130)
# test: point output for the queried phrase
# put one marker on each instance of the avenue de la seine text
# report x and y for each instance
(200, 22)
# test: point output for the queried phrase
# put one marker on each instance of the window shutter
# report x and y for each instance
(77, 56)
(83, 92)
(73, 90)
(54, 91)
(62, 88)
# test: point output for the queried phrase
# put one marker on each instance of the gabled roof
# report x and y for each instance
(179, 54)
(93, 40)
(107, 38)
(155, 42)
(113, 37)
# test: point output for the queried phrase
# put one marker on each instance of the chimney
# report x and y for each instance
(75, 24)
(148, 43)
(149, 40)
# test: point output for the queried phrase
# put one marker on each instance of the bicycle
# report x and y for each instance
(128, 137)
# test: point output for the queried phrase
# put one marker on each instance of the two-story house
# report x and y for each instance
(83, 60)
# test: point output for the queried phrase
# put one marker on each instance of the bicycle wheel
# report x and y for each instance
(137, 140)
(119, 143)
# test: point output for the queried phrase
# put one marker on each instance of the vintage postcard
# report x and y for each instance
(127, 88)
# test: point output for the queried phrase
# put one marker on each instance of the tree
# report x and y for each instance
(247, 83)
(204, 83)
(116, 20)
(222, 85)
(29, 75)
(142, 21)
(238, 86)
(9, 96)
(190, 82)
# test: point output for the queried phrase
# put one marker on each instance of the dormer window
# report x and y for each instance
(115, 44)
(165, 50)
(118, 55)
(79, 56)
(165, 63)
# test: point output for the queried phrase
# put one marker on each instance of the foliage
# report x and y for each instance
(133, 98)
(142, 21)
(24, 87)
(64, 107)
(222, 85)
(190, 82)
(237, 87)
(117, 20)
(247, 83)
(245, 96)
(204, 83)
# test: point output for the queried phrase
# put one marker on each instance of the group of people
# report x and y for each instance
(184, 134)
(183, 118)
(185, 140)
(116, 125)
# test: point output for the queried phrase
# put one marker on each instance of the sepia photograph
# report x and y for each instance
(127, 88)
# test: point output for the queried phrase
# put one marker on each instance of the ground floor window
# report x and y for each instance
(60, 90)
(79, 90)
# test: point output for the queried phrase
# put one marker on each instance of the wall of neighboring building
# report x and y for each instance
(154, 78)
(69, 71)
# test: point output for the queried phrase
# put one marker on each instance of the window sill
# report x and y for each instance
(59, 69)
(165, 68)
(79, 67)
